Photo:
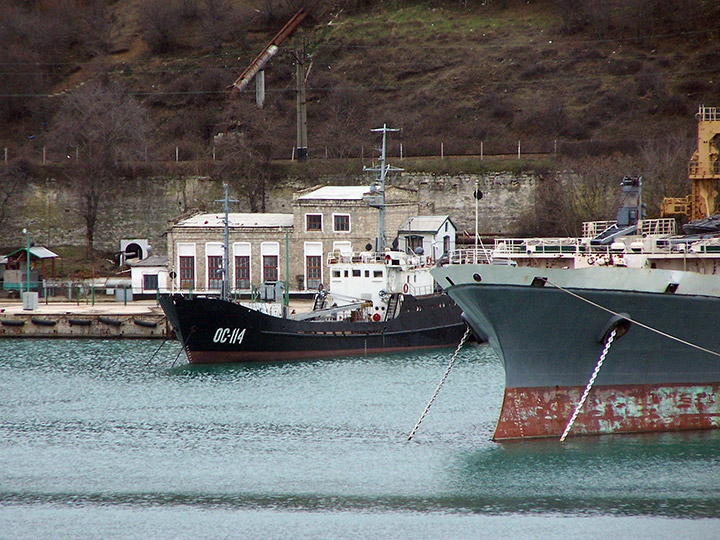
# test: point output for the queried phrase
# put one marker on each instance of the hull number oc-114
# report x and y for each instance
(226, 335)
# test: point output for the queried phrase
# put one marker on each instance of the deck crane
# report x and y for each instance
(703, 171)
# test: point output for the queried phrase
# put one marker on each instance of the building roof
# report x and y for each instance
(238, 220)
(424, 224)
(336, 193)
(152, 260)
(38, 252)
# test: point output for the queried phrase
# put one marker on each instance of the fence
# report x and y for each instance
(52, 156)
(82, 292)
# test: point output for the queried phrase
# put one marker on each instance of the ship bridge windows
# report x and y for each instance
(356, 272)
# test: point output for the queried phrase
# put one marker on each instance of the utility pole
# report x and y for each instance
(300, 74)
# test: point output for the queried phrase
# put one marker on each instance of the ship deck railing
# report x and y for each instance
(507, 250)
(666, 226)
(394, 258)
(420, 290)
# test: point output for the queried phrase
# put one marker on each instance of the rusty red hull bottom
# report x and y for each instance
(637, 408)
(214, 357)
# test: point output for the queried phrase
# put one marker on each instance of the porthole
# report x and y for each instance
(477, 277)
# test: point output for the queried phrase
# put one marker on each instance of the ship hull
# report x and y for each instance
(216, 331)
(549, 329)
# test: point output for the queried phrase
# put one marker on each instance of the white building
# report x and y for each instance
(434, 235)
(149, 275)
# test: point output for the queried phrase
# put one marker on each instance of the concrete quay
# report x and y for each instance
(105, 319)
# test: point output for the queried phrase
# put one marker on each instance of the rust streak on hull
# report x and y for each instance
(545, 411)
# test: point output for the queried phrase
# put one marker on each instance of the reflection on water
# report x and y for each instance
(99, 425)
(673, 474)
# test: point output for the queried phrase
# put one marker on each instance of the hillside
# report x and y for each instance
(451, 73)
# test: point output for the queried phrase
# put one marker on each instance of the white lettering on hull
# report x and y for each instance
(229, 336)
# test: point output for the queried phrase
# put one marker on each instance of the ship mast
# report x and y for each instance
(376, 197)
(225, 291)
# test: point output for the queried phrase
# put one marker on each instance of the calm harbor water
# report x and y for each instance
(99, 439)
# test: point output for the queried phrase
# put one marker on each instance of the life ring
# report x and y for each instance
(376, 317)
(429, 260)
(406, 288)
(387, 259)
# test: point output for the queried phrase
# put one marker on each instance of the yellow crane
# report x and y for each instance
(703, 171)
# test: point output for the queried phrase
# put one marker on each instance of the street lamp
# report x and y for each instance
(27, 258)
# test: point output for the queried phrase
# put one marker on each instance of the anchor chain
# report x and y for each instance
(442, 381)
(590, 383)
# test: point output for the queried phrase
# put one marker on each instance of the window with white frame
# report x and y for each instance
(241, 252)
(214, 253)
(270, 255)
(313, 265)
(313, 222)
(186, 265)
(341, 222)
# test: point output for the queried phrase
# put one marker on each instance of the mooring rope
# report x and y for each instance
(442, 381)
(156, 351)
(184, 343)
(641, 325)
(590, 383)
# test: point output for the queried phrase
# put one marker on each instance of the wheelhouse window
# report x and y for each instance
(414, 242)
(242, 272)
(270, 267)
(341, 223)
(314, 271)
(187, 272)
(313, 222)
(215, 274)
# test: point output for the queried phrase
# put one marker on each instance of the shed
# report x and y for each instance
(435, 235)
(149, 275)
(15, 277)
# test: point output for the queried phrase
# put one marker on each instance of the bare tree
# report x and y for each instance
(162, 23)
(245, 166)
(663, 165)
(245, 152)
(222, 19)
(107, 127)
